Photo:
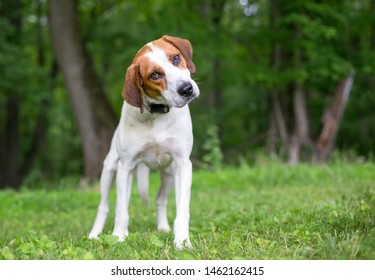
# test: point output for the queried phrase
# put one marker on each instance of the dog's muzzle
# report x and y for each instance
(186, 89)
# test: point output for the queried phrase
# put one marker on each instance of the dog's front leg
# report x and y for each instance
(167, 184)
(123, 191)
(183, 179)
(106, 179)
(103, 209)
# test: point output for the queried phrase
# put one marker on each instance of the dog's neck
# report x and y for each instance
(134, 114)
(155, 105)
(154, 108)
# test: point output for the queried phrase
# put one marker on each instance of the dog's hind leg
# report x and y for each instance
(166, 185)
(143, 173)
(106, 179)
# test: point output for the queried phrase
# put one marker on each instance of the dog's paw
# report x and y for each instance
(184, 244)
(121, 236)
(121, 239)
(93, 236)
(164, 228)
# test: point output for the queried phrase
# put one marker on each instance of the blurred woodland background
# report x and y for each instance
(294, 80)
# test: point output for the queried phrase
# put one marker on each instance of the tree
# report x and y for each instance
(301, 57)
(95, 118)
(21, 89)
(332, 119)
(268, 71)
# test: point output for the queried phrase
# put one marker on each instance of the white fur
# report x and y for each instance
(158, 141)
(174, 75)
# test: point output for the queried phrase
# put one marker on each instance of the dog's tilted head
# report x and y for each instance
(160, 74)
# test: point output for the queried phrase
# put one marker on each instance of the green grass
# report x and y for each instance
(270, 211)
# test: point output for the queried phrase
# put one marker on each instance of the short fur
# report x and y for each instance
(145, 140)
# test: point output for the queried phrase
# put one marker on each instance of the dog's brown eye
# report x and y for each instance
(176, 60)
(155, 76)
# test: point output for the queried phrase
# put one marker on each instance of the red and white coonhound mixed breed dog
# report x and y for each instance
(155, 131)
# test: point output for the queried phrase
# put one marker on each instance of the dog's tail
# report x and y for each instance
(143, 173)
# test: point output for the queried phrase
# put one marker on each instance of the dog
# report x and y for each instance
(154, 132)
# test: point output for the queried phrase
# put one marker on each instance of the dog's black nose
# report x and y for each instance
(186, 89)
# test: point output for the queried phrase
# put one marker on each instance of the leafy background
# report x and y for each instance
(232, 50)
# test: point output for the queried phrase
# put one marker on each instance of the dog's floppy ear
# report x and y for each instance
(132, 91)
(185, 48)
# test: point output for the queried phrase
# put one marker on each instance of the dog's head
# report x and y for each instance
(160, 74)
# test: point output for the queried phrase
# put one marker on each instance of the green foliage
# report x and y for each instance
(333, 37)
(19, 73)
(269, 211)
(213, 157)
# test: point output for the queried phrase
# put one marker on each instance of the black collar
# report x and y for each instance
(158, 108)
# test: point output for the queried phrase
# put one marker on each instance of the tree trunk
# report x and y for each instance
(95, 118)
(12, 152)
(277, 128)
(271, 139)
(11, 156)
(332, 119)
(300, 137)
(38, 137)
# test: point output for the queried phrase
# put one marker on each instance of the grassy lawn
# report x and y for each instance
(270, 211)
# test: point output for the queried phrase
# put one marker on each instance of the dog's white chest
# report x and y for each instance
(155, 140)
(155, 155)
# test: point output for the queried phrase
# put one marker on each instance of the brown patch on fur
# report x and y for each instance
(171, 51)
(152, 88)
(184, 47)
(137, 78)
(132, 92)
